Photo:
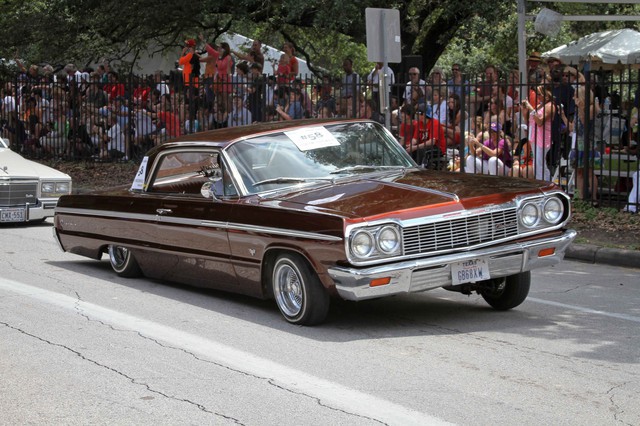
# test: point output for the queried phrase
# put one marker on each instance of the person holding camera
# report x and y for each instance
(540, 122)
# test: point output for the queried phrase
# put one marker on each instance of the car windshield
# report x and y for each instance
(315, 154)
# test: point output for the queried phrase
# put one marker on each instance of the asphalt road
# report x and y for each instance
(78, 345)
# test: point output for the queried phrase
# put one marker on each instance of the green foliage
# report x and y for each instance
(471, 33)
(585, 208)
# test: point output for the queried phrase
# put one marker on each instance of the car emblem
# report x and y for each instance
(252, 252)
(28, 195)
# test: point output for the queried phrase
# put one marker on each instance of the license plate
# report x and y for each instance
(469, 271)
(12, 215)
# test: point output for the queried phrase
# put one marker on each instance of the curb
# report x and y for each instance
(604, 255)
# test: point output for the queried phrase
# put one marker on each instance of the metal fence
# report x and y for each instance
(586, 143)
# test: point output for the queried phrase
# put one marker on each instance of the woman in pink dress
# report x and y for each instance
(223, 86)
(540, 119)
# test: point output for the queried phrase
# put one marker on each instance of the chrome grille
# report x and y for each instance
(460, 232)
(18, 193)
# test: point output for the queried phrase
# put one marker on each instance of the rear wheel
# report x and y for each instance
(123, 262)
(507, 293)
(297, 290)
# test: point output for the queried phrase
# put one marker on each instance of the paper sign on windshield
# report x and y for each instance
(312, 138)
(138, 181)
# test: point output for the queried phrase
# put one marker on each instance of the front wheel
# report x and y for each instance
(507, 293)
(123, 262)
(299, 294)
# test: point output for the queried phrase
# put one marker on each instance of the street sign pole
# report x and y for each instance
(383, 45)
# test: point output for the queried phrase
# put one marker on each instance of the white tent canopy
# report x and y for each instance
(606, 47)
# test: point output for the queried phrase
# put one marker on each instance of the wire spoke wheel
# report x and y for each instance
(123, 262)
(288, 290)
(298, 291)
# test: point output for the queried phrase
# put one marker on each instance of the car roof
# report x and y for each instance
(223, 137)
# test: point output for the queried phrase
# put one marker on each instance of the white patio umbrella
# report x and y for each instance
(606, 47)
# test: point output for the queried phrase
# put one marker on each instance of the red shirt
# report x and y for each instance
(433, 130)
(284, 74)
(114, 90)
(171, 123)
(409, 132)
(142, 93)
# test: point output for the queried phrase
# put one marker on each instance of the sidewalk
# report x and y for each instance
(608, 256)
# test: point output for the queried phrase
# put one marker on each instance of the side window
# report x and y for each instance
(184, 172)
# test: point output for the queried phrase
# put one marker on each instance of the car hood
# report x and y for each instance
(412, 191)
(13, 165)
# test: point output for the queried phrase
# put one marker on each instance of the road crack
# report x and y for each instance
(268, 380)
(120, 373)
(617, 410)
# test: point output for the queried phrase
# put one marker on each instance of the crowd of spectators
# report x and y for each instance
(490, 125)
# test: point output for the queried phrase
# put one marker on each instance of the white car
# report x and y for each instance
(29, 191)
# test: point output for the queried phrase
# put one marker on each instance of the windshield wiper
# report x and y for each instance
(364, 168)
(291, 180)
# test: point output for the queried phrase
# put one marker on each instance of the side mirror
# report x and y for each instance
(212, 189)
(206, 190)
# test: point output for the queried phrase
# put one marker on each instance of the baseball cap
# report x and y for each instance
(496, 127)
(190, 42)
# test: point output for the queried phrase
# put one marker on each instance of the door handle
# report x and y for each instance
(164, 211)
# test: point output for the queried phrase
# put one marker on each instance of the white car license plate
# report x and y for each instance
(469, 271)
(12, 215)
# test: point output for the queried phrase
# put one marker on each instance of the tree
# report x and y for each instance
(82, 31)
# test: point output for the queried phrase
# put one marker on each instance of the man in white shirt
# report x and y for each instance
(414, 80)
(161, 85)
(116, 145)
(73, 74)
(8, 100)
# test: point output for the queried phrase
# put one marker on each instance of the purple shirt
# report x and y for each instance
(506, 157)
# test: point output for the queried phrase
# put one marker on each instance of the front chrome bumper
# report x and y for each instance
(43, 209)
(430, 273)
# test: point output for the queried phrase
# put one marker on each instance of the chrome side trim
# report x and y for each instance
(284, 232)
(198, 222)
(428, 273)
(104, 213)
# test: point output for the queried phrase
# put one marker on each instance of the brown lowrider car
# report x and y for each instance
(302, 211)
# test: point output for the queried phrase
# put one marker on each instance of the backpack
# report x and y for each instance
(195, 64)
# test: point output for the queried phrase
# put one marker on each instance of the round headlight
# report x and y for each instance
(529, 215)
(388, 239)
(553, 210)
(362, 244)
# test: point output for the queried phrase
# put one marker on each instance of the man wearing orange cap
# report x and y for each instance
(185, 60)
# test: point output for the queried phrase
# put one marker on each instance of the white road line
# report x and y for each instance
(587, 310)
(331, 394)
